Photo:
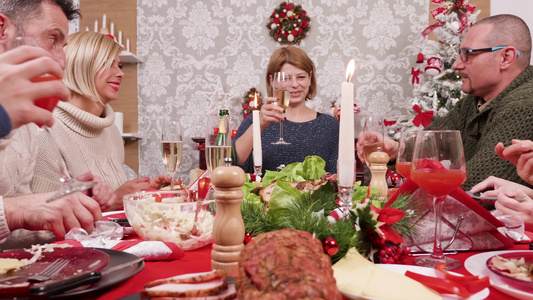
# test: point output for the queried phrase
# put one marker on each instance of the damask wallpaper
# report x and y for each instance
(191, 49)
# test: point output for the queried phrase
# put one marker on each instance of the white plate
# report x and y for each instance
(401, 269)
(477, 265)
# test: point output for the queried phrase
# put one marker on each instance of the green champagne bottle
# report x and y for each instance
(221, 139)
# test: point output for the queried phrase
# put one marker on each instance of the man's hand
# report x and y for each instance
(59, 216)
(17, 68)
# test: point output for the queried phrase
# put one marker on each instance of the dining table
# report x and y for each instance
(199, 260)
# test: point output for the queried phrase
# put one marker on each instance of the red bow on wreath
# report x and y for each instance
(422, 117)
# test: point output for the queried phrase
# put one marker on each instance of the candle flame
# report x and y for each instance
(350, 70)
(256, 104)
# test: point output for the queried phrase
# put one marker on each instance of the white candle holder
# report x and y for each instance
(258, 172)
(345, 181)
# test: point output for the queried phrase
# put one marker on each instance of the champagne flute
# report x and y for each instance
(281, 90)
(217, 141)
(68, 184)
(438, 167)
(405, 153)
(171, 148)
(373, 136)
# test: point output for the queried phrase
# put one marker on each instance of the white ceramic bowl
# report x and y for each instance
(169, 216)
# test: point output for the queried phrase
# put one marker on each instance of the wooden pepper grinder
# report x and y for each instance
(228, 226)
(378, 168)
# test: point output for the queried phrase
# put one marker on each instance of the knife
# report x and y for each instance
(59, 286)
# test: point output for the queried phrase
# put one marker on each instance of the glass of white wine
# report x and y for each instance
(281, 91)
(217, 141)
(171, 147)
(373, 135)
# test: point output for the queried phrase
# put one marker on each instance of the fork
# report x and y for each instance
(52, 270)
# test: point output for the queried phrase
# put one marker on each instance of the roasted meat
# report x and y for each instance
(304, 186)
(285, 264)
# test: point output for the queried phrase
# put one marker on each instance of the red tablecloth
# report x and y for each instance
(200, 261)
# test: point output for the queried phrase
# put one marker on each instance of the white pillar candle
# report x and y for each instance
(86, 28)
(120, 38)
(346, 131)
(128, 45)
(96, 26)
(103, 21)
(113, 29)
(258, 151)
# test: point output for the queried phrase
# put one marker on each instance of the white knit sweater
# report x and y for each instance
(87, 142)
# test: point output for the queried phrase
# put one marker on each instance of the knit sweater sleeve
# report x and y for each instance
(46, 174)
(4, 229)
(514, 121)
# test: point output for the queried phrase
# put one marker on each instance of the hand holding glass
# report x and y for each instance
(438, 167)
(281, 91)
(68, 184)
(171, 148)
(373, 138)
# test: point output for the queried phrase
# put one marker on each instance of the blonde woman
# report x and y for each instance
(83, 126)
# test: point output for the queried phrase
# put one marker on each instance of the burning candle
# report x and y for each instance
(258, 151)
(113, 29)
(345, 172)
(103, 21)
(96, 26)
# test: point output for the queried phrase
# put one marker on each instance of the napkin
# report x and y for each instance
(478, 229)
(108, 235)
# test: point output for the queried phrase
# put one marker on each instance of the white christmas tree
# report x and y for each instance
(437, 87)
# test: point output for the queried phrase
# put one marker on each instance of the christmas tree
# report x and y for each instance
(437, 87)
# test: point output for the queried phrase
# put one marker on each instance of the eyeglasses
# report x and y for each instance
(463, 53)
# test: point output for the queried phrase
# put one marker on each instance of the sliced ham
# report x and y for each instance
(189, 278)
(229, 294)
(202, 289)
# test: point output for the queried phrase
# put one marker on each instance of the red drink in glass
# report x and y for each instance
(438, 182)
(403, 168)
(48, 103)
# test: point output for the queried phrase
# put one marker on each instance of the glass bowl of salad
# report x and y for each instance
(171, 216)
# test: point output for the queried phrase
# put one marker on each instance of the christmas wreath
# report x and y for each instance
(289, 23)
(376, 232)
(251, 95)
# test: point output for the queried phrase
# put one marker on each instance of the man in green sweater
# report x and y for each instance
(494, 65)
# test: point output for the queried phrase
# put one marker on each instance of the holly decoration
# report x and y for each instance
(248, 104)
(289, 24)
(247, 237)
(330, 246)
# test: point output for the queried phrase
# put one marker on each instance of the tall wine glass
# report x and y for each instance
(438, 167)
(217, 141)
(281, 90)
(405, 153)
(373, 135)
(68, 184)
(171, 148)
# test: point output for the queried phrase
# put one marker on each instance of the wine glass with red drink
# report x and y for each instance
(405, 153)
(438, 167)
(69, 184)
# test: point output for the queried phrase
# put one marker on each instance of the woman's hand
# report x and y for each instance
(159, 180)
(270, 112)
(520, 154)
(101, 192)
(516, 203)
(130, 186)
(492, 186)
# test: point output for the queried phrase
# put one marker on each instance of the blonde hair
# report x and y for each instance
(296, 57)
(86, 52)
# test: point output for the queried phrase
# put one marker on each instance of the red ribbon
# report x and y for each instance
(416, 74)
(423, 118)
(388, 123)
(430, 28)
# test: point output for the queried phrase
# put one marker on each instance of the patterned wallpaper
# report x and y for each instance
(191, 49)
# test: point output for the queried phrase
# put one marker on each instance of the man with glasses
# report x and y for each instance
(494, 65)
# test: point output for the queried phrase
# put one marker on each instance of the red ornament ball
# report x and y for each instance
(330, 246)
(394, 179)
(247, 237)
